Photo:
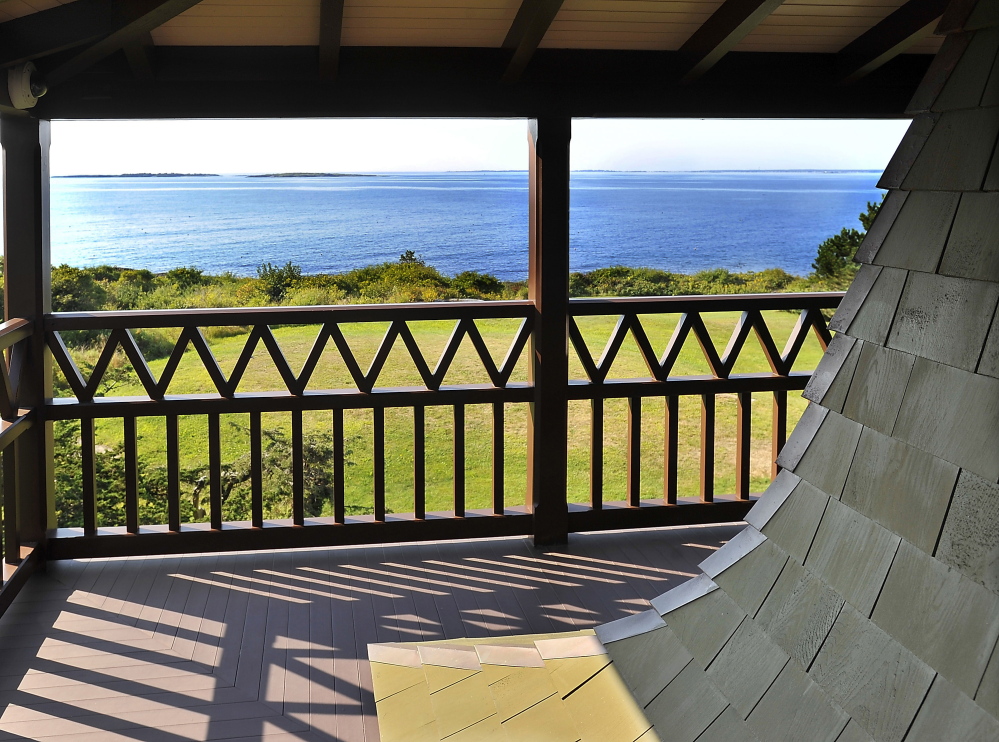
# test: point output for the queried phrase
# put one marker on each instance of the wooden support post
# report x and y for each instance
(28, 294)
(548, 288)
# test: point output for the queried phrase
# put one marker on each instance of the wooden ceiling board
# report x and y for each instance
(610, 16)
(642, 6)
(823, 32)
(626, 24)
(501, 14)
(207, 36)
(11, 9)
(420, 37)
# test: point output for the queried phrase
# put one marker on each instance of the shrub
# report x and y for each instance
(276, 281)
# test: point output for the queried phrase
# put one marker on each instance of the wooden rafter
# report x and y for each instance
(727, 26)
(136, 19)
(889, 38)
(59, 28)
(330, 30)
(138, 53)
(526, 32)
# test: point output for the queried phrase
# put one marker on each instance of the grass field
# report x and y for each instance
(296, 342)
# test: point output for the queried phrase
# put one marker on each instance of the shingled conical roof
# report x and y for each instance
(862, 601)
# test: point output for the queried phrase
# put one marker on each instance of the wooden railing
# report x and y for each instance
(662, 382)
(15, 334)
(296, 396)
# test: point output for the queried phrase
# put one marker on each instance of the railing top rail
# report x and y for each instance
(708, 303)
(13, 331)
(287, 315)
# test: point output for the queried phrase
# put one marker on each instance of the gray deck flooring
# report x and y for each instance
(273, 644)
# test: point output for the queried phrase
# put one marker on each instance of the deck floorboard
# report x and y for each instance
(273, 645)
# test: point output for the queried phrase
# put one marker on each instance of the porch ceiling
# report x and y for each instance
(120, 58)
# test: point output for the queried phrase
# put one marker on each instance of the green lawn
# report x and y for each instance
(296, 342)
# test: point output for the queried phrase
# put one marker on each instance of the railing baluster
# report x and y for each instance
(459, 461)
(779, 429)
(173, 473)
(671, 458)
(12, 547)
(419, 463)
(379, 461)
(499, 459)
(215, 471)
(635, 451)
(743, 443)
(256, 472)
(597, 454)
(88, 465)
(297, 470)
(708, 447)
(339, 497)
(131, 476)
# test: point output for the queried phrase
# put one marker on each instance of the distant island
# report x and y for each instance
(145, 175)
(313, 175)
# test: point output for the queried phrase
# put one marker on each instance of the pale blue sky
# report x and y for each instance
(383, 145)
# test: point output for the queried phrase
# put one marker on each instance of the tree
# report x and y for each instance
(835, 256)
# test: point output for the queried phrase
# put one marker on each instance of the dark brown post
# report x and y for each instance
(548, 283)
(28, 294)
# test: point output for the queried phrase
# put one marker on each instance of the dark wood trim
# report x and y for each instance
(415, 312)
(16, 581)
(14, 331)
(330, 32)
(726, 27)
(320, 532)
(138, 52)
(316, 532)
(28, 295)
(140, 17)
(526, 32)
(717, 303)
(262, 82)
(888, 38)
(59, 28)
(548, 288)
(683, 386)
(64, 408)
(653, 514)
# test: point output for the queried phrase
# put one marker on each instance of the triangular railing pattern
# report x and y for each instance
(720, 364)
(85, 389)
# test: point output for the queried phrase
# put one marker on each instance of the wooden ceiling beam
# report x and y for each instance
(263, 82)
(59, 28)
(726, 27)
(526, 32)
(140, 17)
(138, 53)
(330, 32)
(889, 38)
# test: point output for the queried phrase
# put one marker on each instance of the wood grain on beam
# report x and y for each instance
(330, 30)
(526, 32)
(139, 18)
(729, 25)
(889, 38)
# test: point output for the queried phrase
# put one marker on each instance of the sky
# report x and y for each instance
(404, 145)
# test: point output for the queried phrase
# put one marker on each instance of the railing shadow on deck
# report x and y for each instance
(239, 645)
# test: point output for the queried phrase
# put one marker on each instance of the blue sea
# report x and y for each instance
(456, 221)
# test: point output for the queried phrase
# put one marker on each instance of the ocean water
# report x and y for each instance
(683, 222)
